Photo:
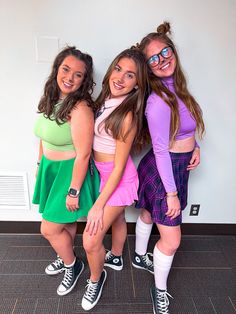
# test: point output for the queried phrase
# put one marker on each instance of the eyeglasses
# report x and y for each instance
(166, 53)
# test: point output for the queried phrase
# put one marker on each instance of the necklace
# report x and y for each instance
(103, 108)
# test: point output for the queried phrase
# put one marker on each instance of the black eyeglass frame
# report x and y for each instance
(157, 55)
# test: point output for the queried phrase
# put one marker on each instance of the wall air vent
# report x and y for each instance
(14, 192)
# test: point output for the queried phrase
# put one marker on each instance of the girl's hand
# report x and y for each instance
(195, 160)
(173, 207)
(94, 220)
(72, 203)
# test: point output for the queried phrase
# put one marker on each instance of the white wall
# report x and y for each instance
(205, 33)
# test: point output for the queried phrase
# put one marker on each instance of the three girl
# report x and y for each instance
(173, 116)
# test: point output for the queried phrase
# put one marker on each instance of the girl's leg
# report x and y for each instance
(163, 255)
(170, 237)
(60, 239)
(142, 234)
(57, 266)
(93, 245)
(113, 258)
(119, 234)
(71, 229)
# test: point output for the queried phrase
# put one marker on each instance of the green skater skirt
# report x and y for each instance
(52, 184)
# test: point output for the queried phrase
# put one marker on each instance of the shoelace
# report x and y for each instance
(163, 301)
(146, 259)
(91, 290)
(67, 277)
(58, 262)
(109, 255)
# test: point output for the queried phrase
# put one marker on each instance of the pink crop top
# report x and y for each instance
(103, 142)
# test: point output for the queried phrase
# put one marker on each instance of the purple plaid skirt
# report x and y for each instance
(152, 194)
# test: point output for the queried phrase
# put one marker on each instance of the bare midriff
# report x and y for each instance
(58, 155)
(183, 146)
(103, 157)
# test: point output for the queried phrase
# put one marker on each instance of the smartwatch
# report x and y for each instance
(73, 192)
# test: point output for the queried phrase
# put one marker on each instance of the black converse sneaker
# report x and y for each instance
(70, 278)
(143, 262)
(93, 292)
(55, 267)
(160, 301)
(112, 261)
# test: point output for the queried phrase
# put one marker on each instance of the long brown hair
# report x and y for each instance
(52, 92)
(180, 84)
(134, 102)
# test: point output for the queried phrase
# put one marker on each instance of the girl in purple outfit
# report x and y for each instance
(173, 116)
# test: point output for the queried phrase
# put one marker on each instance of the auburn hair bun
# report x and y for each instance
(164, 28)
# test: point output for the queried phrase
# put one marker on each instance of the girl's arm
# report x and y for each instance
(82, 128)
(95, 216)
(159, 117)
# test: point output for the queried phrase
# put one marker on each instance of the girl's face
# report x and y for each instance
(123, 78)
(160, 58)
(70, 75)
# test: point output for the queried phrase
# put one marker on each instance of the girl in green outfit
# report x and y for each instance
(67, 181)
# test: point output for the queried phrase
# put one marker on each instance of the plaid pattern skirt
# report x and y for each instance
(152, 194)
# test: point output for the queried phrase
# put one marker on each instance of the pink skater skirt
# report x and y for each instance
(126, 191)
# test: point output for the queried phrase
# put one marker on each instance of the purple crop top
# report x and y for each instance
(158, 115)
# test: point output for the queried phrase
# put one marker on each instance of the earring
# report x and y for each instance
(136, 87)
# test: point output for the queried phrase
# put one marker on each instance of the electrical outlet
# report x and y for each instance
(194, 210)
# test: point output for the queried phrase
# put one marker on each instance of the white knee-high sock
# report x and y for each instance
(142, 232)
(162, 265)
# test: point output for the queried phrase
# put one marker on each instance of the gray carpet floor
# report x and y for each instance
(202, 280)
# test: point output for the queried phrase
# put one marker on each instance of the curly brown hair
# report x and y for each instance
(52, 92)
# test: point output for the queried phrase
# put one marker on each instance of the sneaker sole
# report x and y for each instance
(114, 267)
(99, 295)
(72, 287)
(54, 272)
(140, 267)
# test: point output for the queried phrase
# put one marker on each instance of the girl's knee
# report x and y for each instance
(91, 243)
(45, 231)
(48, 230)
(146, 216)
(174, 245)
(168, 246)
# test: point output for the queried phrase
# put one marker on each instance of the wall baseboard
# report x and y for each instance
(26, 227)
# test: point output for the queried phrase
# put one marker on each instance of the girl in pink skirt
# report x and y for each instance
(117, 129)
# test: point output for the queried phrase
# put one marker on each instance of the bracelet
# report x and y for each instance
(174, 194)
(171, 195)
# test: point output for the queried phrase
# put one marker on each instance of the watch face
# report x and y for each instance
(72, 191)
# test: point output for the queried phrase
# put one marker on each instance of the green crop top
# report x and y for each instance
(54, 136)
